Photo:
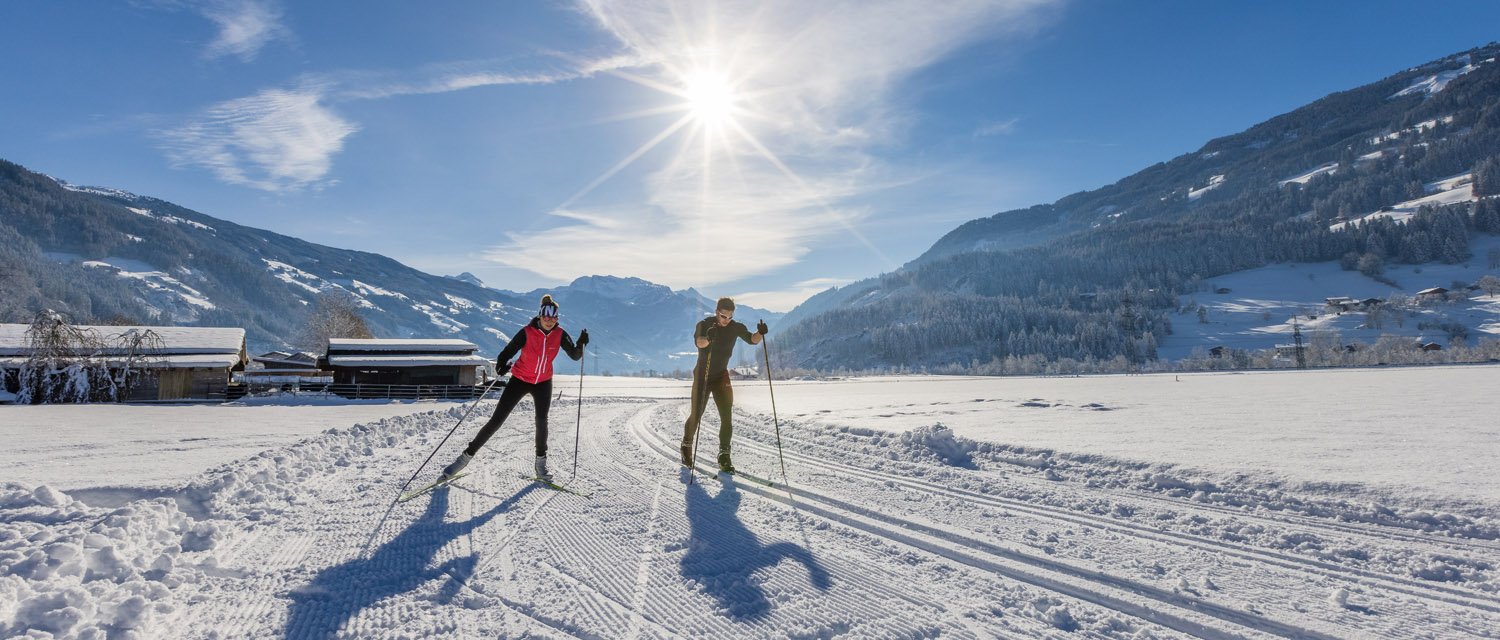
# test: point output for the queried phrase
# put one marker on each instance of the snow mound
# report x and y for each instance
(938, 441)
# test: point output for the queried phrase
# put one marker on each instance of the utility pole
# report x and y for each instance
(1297, 336)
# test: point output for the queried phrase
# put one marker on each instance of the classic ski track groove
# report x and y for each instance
(1439, 592)
(558, 551)
(1367, 530)
(1127, 598)
(836, 566)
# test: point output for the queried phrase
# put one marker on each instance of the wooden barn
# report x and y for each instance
(184, 363)
(429, 362)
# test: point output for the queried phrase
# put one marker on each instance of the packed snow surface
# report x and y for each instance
(918, 507)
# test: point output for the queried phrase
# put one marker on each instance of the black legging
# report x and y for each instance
(515, 389)
(718, 387)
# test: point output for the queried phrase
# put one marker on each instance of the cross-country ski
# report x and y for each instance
(440, 482)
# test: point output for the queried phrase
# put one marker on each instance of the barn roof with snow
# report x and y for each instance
(182, 347)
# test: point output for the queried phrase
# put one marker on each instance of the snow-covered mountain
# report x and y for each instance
(1399, 173)
(98, 253)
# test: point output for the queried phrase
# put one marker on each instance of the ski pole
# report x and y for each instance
(445, 438)
(765, 349)
(581, 353)
(707, 365)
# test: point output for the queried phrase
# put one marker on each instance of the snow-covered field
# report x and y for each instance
(93, 446)
(1350, 504)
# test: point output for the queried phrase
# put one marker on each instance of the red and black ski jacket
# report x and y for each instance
(537, 349)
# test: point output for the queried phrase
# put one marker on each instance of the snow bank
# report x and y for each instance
(72, 570)
(914, 453)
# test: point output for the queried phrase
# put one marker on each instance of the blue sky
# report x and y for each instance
(760, 149)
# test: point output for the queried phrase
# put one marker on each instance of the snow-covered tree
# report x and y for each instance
(65, 363)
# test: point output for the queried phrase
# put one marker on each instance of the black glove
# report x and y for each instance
(761, 328)
(503, 369)
(708, 334)
(583, 338)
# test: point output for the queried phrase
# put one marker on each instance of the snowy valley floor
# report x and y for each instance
(917, 531)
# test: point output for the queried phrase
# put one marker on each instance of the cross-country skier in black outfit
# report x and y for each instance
(537, 343)
(715, 337)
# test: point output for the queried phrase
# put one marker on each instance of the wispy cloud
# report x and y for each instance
(283, 140)
(789, 298)
(245, 26)
(816, 81)
(458, 76)
(999, 128)
(276, 140)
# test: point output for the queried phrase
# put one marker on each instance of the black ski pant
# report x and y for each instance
(723, 395)
(515, 389)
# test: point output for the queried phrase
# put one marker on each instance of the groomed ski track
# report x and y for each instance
(866, 542)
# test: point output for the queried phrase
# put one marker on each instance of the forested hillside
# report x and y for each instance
(1399, 171)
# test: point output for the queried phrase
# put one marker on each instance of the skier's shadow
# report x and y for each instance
(340, 592)
(723, 555)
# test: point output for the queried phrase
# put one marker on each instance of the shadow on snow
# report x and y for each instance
(339, 593)
(723, 554)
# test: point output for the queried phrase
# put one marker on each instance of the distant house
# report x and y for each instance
(191, 363)
(285, 370)
(1219, 351)
(744, 373)
(1287, 350)
(403, 361)
(1435, 292)
(1429, 346)
(1341, 303)
(283, 362)
(1370, 303)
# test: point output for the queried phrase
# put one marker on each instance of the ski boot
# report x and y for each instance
(541, 470)
(457, 466)
(724, 464)
(687, 456)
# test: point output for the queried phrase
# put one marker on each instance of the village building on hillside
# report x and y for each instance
(1340, 303)
(1435, 293)
(182, 363)
(444, 367)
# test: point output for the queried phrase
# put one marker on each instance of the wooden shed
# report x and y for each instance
(189, 363)
(410, 361)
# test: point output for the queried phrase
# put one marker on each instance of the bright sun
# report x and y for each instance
(710, 98)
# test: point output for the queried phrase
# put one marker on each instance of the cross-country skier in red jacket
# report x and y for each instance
(537, 343)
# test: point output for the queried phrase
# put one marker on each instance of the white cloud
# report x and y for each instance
(816, 82)
(245, 26)
(276, 140)
(789, 298)
(443, 78)
(285, 139)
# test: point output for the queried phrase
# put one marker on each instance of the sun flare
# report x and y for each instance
(710, 98)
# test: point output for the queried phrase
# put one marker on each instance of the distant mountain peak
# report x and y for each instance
(617, 288)
(469, 278)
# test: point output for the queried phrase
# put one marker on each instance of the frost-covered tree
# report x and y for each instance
(135, 349)
(65, 363)
(1490, 284)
